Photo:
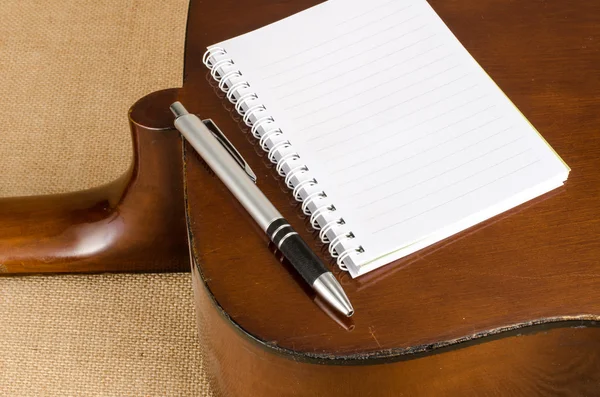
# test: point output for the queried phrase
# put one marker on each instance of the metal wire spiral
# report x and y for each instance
(256, 116)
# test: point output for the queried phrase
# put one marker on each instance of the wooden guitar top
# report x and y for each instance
(538, 263)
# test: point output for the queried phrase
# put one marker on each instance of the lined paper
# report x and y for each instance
(406, 134)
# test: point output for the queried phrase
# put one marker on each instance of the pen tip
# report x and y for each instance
(331, 291)
(178, 109)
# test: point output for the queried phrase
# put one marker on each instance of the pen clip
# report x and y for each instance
(217, 133)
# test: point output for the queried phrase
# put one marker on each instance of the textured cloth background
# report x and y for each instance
(70, 70)
(99, 335)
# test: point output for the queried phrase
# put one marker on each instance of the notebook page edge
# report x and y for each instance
(353, 268)
(502, 91)
(364, 267)
(507, 205)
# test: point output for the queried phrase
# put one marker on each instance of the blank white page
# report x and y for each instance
(407, 135)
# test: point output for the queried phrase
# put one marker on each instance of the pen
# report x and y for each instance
(225, 162)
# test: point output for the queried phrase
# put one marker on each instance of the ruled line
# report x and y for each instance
(423, 137)
(366, 13)
(435, 176)
(454, 199)
(361, 53)
(405, 131)
(385, 83)
(395, 133)
(442, 188)
(395, 177)
(367, 75)
(362, 105)
(366, 189)
(403, 116)
(335, 38)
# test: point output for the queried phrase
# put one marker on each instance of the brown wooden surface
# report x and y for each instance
(135, 223)
(535, 264)
(542, 362)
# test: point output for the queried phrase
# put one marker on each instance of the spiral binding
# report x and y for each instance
(255, 115)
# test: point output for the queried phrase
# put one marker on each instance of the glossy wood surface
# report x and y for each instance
(544, 361)
(535, 264)
(135, 223)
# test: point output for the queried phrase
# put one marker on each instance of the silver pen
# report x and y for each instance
(224, 160)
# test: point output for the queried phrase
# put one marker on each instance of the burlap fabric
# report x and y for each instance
(70, 70)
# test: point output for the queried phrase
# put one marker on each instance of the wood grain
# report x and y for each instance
(543, 361)
(135, 223)
(536, 264)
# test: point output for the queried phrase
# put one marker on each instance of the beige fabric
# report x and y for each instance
(70, 70)
(109, 335)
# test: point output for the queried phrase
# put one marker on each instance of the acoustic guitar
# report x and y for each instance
(507, 308)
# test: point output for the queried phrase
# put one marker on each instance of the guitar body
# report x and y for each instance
(507, 308)
(563, 359)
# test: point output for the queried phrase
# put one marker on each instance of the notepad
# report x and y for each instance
(383, 126)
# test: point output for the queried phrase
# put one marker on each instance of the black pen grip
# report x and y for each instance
(296, 251)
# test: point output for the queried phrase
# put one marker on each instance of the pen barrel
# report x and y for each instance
(227, 169)
(293, 247)
(297, 252)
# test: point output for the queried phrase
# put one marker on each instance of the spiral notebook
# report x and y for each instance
(383, 126)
